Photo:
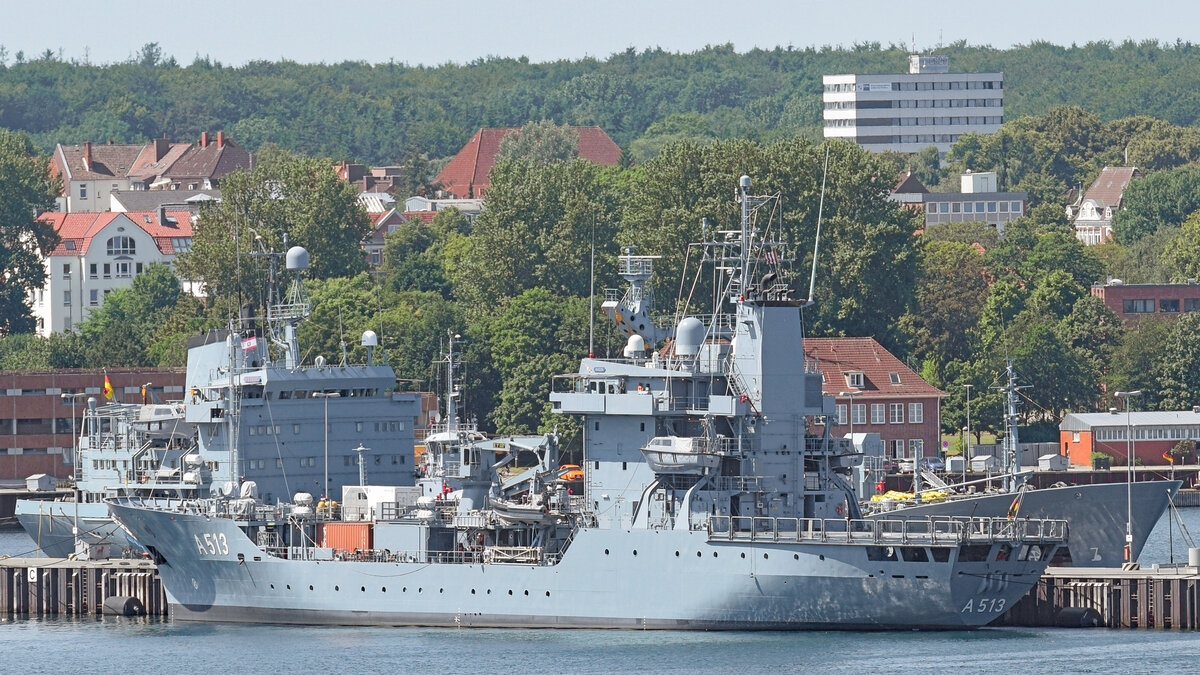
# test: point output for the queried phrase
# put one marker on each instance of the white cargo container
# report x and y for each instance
(367, 502)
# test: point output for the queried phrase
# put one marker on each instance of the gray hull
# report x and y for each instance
(661, 579)
(1096, 513)
(49, 525)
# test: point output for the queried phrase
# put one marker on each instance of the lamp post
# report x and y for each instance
(326, 395)
(966, 438)
(851, 395)
(74, 458)
(967, 431)
(1129, 448)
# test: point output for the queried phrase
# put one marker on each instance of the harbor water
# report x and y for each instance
(121, 645)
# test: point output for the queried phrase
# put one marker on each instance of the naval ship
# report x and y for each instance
(714, 497)
(1110, 522)
(249, 417)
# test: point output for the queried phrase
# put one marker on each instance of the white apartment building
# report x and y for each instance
(98, 253)
(909, 112)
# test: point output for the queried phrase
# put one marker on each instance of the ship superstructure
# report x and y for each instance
(713, 497)
(254, 417)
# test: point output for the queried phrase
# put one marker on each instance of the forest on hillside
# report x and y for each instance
(385, 113)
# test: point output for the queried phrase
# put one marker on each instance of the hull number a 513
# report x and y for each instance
(984, 605)
(217, 544)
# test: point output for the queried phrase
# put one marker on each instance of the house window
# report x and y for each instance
(894, 378)
(897, 413)
(991, 207)
(1016, 207)
(67, 323)
(854, 379)
(67, 271)
(878, 413)
(121, 245)
(897, 448)
(916, 447)
(1191, 305)
(1137, 306)
(916, 413)
(841, 413)
(858, 413)
(92, 271)
(66, 298)
(107, 271)
(93, 297)
(139, 268)
(123, 270)
(1168, 306)
(83, 191)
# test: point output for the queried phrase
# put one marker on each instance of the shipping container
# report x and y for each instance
(346, 538)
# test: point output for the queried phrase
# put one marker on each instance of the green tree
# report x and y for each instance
(1181, 260)
(1177, 371)
(539, 143)
(120, 332)
(949, 297)
(414, 255)
(26, 189)
(298, 198)
(1159, 200)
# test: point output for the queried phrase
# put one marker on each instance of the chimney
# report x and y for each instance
(87, 155)
(161, 146)
(220, 139)
(204, 139)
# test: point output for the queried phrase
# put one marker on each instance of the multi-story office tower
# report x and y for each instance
(909, 112)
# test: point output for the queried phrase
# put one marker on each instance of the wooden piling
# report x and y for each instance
(1165, 598)
(45, 587)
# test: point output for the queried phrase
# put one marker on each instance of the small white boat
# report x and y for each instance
(680, 454)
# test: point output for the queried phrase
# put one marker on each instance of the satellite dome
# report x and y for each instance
(297, 258)
(636, 346)
(688, 336)
(370, 339)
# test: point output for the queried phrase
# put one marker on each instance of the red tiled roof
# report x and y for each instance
(80, 228)
(107, 161)
(467, 173)
(423, 216)
(1110, 185)
(214, 160)
(907, 183)
(838, 356)
(147, 167)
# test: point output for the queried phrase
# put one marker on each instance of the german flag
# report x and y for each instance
(1169, 457)
(108, 388)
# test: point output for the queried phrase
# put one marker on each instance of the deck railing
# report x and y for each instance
(932, 530)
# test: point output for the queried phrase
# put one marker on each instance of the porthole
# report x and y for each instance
(310, 587)
(337, 588)
(822, 557)
(635, 551)
(384, 589)
(510, 591)
(363, 589)
(714, 554)
(796, 556)
(289, 587)
(605, 551)
(547, 594)
(743, 554)
(420, 589)
(404, 590)
(676, 554)
(527, 592)
(765, 556)
(698, 554)
(441, 590)
(489, 591)
(472, 591)
(272, 586)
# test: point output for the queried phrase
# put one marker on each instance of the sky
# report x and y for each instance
(429, 33)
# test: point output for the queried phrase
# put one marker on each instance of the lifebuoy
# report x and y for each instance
(840, 509)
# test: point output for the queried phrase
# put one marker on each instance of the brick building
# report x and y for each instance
(1154, 433)
(35, 418)
(1132, 302)
(876, 393)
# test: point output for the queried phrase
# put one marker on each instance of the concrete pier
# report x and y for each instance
(1075, 597)
(58, 586)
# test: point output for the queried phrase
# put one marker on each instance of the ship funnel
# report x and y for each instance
(297, 258)
(688, 336)
(635, 346)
